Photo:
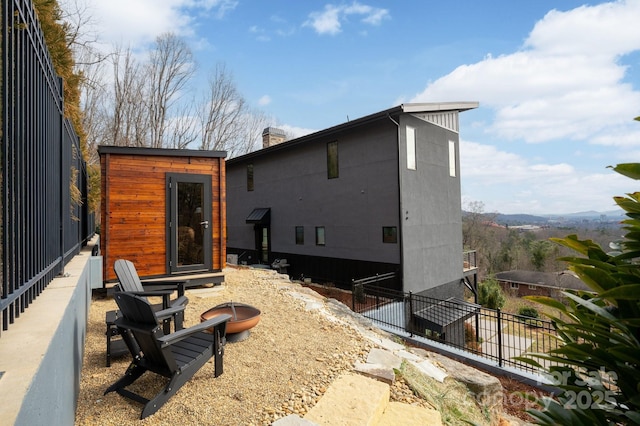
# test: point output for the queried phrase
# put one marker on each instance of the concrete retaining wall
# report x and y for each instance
(41, 354)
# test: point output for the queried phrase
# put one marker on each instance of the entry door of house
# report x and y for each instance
(189, 222)
(262, 242)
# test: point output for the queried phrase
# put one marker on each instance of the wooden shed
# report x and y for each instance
(164, 210)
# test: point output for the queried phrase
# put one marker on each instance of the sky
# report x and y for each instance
(558, 82)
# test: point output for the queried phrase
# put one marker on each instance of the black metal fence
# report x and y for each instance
(43, 225)
(487, 333)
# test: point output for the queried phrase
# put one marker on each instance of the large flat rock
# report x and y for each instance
(351, 400)
(409, 415)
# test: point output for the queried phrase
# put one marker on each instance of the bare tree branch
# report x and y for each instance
(169, 70)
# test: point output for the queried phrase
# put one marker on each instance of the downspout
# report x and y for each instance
(400, 230)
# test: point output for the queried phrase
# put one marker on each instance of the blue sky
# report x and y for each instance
(557, 81)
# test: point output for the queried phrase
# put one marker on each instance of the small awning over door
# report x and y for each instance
(261, 216)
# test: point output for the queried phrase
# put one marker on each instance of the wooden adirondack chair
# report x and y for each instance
(131, 283)
(176, 356)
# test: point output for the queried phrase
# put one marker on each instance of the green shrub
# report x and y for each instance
(490, 294)
(597, 360)
(528, 311)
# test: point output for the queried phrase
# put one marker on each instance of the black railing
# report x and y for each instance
(42, 225)
(486, 333)
(469, 260)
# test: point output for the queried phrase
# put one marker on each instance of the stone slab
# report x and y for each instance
(351, 400)
(376, 371)
(409, 415)
(428, 368)
(293, 420)
(384, 357)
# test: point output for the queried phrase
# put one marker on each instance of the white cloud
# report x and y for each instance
(330, 20)
(566, 82)
(264, 100)
(136, 23)
(295, 131)
(509, 183)
(490, 166)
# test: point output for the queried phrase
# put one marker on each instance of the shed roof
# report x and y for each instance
(447, 312)
(161, 152)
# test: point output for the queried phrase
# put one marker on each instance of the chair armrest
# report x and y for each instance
(179, 284)
(186, 332)
(151, 293)
(180, 300)
(169, 312)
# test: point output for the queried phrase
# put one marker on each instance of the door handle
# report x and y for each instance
(205, 224)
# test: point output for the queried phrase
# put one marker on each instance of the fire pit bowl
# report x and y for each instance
(243, 318)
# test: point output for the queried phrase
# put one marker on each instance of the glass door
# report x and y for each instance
(189, 222)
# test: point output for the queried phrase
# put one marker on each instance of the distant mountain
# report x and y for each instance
(520, 219)
(611, 214)
(554, 219)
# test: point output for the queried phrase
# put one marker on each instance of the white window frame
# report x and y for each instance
(411, 148)
(452, 159)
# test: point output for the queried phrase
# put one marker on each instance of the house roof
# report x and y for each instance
(386, 114)
(563, 280)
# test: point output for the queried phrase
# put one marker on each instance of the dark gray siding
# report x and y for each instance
(293, 182)
(431, 209)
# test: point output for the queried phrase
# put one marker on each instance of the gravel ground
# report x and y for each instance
(284, 367)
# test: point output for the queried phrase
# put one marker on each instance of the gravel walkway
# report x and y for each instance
(284, 367)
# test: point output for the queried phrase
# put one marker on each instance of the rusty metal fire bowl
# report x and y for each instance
(243, 318)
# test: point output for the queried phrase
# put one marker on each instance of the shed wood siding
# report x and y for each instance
(134, 209)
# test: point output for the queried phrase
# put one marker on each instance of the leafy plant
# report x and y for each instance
(490, 294)
(596, 361)
(528, 311)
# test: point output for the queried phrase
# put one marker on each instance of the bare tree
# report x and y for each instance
(169, 70)
(94, 97)
(220, 112)
(252, 123)
(183, 127)
(129, 120)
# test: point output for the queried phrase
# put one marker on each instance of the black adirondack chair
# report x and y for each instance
(169, 309)
(176, 356)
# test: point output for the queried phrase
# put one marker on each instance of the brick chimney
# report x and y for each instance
(272, 136)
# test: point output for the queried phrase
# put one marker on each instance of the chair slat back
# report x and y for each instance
(127, 275)
(141, 321)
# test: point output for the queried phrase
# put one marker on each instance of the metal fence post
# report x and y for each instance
(409, 321)
(499, 337)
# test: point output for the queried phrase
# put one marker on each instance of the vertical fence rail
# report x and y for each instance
(41, 227)
(491, 334)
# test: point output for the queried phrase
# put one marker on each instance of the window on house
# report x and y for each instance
(411, 148)
(389, 234)
(515, 286)
(250, 177)
(532, 287)
(452, 159)
(332, 160)
(300, 235)
(320, 241)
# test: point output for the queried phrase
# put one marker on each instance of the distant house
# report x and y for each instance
(373, 195)
(535, 283)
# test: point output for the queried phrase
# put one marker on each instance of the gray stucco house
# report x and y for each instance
(373, 195)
